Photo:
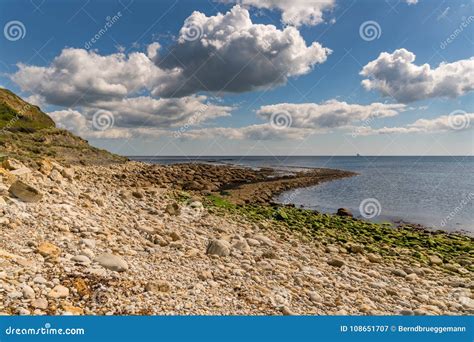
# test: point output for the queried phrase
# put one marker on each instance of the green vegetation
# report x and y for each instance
(53, 143)
(18, 115)
(384, 239)
(220, 202)
(28, 134)
(10, 120)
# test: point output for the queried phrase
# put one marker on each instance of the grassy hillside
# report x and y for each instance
(16, 114)
(28, 134)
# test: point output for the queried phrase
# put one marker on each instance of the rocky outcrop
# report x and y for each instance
(25, 192)
(30, 135)
(344, 212)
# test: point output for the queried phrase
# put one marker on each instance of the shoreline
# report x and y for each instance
(299, 181)
(141, 239)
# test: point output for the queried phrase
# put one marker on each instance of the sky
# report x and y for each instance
(248, 77)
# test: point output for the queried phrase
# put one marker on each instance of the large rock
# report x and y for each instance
(374, 258)
(344, 212)
(355, 248)
(138, 194)
(263, 240)
(336, 262)
(59, 291)
(47, 249)
(55, 175)
(40, 303)
(435, 260)
(399, 272)
(25, 192)
(28, 292)
(45, 167)
(218, 247)
(241, 245)
(173, 209)
(12, 164)
(6, 177)
(68, 173)
(112, 262)
(192, 185)
(81, 259)
(21, 171)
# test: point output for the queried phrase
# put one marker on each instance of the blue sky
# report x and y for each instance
(380, 119)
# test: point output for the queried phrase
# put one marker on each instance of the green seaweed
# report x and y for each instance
(382, 238)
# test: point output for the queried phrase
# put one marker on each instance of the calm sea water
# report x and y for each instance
(433, 191)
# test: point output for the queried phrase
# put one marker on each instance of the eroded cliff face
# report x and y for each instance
(28, 134)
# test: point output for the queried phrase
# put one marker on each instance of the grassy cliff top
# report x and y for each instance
(28, 134)
(17, 114)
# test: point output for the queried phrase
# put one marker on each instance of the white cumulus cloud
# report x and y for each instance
(290, 121)
(76, 122)
(252, 132)
(229, 53)
(78, 76)
(294, 12)
(164, 113)
(395, 74)
(444, 123)
(139, 116)
(85, 82)
(329, 114)
(83, 126)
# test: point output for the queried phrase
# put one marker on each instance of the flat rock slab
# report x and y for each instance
(218, 247)
(25, 192)
(21, 171)
(112, 262)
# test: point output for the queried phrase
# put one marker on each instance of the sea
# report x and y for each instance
(434, 191)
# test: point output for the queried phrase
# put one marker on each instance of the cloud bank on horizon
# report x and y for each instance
(189, 82)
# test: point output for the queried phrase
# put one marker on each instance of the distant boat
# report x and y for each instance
(358, 155)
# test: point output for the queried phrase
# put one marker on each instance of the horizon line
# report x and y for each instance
(282, 155)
